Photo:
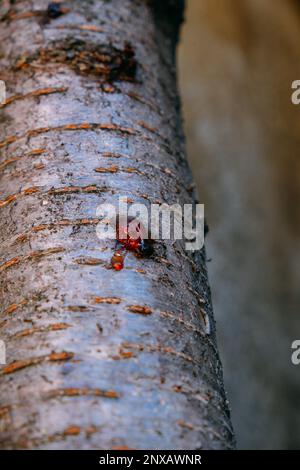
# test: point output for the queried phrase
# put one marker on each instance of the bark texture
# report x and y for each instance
(98, 358)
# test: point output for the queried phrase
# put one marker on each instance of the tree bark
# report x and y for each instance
(98, 358)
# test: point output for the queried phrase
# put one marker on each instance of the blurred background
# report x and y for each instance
(237, 60)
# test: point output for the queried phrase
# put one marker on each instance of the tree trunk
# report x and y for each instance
(98, 358)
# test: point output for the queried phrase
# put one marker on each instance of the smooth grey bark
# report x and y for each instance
(98, 358)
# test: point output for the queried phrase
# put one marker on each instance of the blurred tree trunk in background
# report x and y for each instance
(237, 62)
(98, 358)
